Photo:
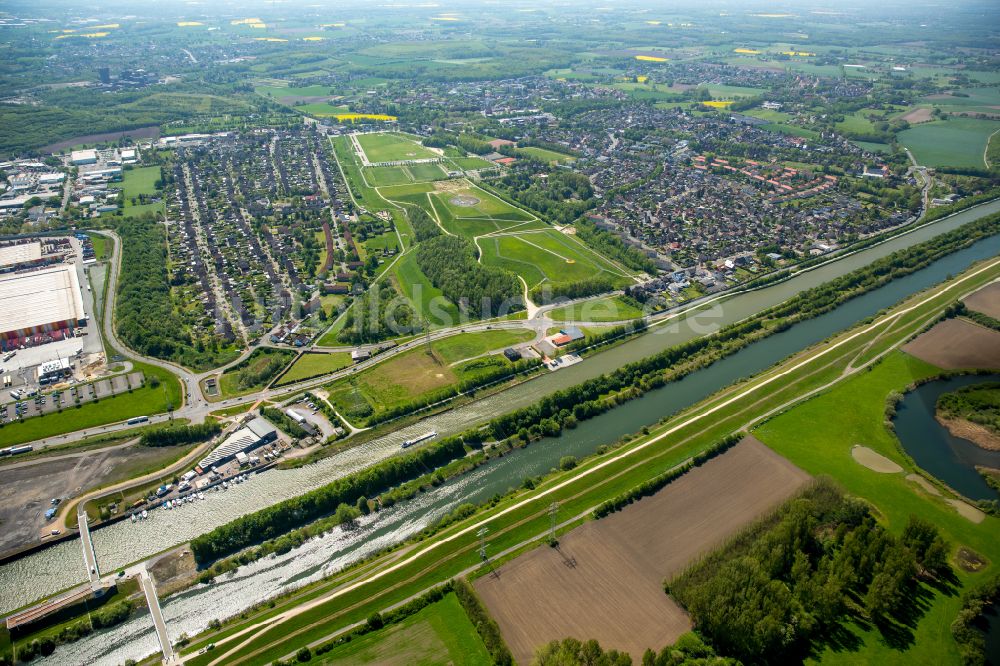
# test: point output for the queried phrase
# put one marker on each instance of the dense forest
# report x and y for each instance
(562, 195)
(145, 318)
(794, 578)
(378, 315)
(449, 262)
(614, 247)
(279, 518)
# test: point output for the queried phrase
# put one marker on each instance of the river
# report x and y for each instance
(189, 612)
(949, 458)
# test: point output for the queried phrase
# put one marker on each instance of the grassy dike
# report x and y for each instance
(520, 521)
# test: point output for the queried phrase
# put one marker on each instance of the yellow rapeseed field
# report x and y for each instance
(648, 58)
(747, 51)
(188, 24)
(717, 104)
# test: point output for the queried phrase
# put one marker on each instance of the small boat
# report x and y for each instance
(133, 517)
(201, 495)
(416, 440)
(144, 514)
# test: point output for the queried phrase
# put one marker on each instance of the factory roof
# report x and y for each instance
(40, 297)
(21, 253)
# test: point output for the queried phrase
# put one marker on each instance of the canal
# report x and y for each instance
(190, 611)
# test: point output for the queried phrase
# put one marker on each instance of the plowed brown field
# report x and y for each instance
(605, 580)
(956, 343)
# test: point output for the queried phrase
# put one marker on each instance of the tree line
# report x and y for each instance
(612, 246)
(176, 435)
(449, 262)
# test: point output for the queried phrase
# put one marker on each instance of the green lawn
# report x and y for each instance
(547, 256)
(416, 373)
(426, 172)
(466, 345)
(441, 634)
(315, 365)
(469, 163)
(229, 382)
(278, 92)
(380, 176)
(100, 244)
(545, 155)
(818, 435)
(141, 180)
(611, 308)
(427, 299)
(391, 146)
(951, 142)
(144, 401)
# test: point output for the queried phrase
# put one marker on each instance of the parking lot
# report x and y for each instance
(26, 404)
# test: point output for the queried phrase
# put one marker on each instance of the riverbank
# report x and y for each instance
(975, 433)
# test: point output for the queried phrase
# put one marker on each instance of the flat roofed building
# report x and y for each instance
(83, 157)
(40, 302)
(21, 254)
(54, 369)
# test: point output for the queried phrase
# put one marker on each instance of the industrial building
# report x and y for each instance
(79, 157)
(53, 371)
(37, 302)
(19, 256)
(255, 433)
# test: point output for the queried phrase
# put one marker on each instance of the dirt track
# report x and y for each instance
(956, 343)
(605, 579)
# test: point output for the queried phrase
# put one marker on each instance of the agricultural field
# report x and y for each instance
(955, 344)
(547, 256)
(392, 147)
(604, 580)
(809, 437)
(439, 634)
(951, 142)
(986, 300)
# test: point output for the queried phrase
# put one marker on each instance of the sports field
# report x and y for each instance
(441, 634)
(547, 255)
(951, 142)
(545, 155)
(605, 579)
(392, 147)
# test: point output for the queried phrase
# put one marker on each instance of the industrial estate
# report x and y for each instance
(499, 333)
